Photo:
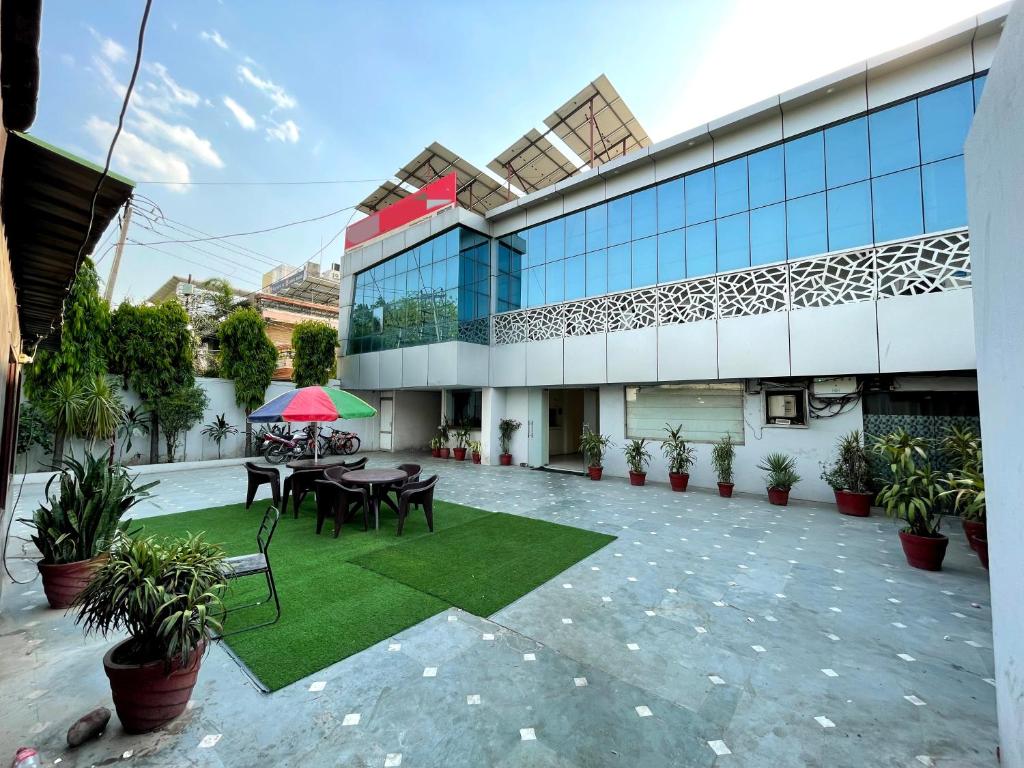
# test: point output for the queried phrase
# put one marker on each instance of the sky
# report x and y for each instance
(235, 94)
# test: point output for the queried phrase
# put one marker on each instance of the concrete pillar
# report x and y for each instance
(492, 410)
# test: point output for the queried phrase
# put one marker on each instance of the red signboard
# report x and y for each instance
(433, 197)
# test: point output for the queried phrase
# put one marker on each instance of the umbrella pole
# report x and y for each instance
(316, 443)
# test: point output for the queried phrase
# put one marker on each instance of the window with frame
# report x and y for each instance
(467, 407)
(705, 411)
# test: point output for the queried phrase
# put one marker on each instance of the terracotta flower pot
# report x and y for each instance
(855, 504)
(778, 497)
(146, 695)
(980, 545)
(435, 452)
(445, 453)
(505, 459)
(678, 480)
(725, 490)
(595, 472)
(924, 552)
(62, 583)
(460, 454)
(637, 478)
(972, 530)
(476, 458)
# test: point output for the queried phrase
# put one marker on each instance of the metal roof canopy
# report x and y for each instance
(597, 125)
(476, 190)
(46, 196)
(383, 196)
(533, 163)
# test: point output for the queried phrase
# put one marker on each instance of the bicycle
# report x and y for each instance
(341, 443)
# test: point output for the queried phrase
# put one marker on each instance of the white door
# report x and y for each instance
(387, 414)
(537, 427)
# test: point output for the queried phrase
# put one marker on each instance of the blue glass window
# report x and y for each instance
(897, 205)
(805, 165)
(733, 242)
(894, 138)
(451, 279)
(597, 273)
(645, 213)
(618, 267)
(555, 239)
(846, 153)
(945, 198)
(534, 278)
(576, 234)
(618, 221)
(849, 216)
(979, 86)
(700, 249)
(805, 226)
(535, 247)
(731, 187)
(645, 262)
(597, 227)
(671, 213)
(555, 282)
(700, 196)
(672, 256)
(945, 117)
(576, 277)
(767, 171)
(768, 234)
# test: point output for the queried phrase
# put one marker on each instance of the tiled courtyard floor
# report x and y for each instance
(712, 632)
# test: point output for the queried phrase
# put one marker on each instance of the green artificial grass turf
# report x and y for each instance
(340, 596)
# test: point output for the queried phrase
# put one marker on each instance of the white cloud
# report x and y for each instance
(244, 118)
(287, 132)
(137, 157)
(281, 98)
(214, 37)
(111, 49)
(165, 93)
(180, 136)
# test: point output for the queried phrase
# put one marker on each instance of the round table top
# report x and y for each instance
(324, 461)
(373, 476)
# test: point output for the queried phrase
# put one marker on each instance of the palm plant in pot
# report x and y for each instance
(592, 446)
(637, 457)
(722, 454)
(166, 595)
(74, 527)
(962, 448)
(474, 451)
(780, 477)
(849, 475)
(967, 486)
(913, 494)
(461, 441)
(680, 457)
(507, 428)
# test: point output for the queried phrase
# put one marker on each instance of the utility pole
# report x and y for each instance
(108, 294)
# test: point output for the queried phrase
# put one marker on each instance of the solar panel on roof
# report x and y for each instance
(533, 162)
(386, 194)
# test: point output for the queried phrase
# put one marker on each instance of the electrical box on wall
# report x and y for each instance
(834, 386)
(781, 407)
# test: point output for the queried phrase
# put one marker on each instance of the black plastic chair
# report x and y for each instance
(255, 564)
(420, 493)
(337, 501)
(413, 474)
(261, 476)
(298, 484)
(337, 471)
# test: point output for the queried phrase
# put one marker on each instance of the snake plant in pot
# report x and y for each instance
(913, 494)
(722, 454)
(166, 595)
(74, 527)
(637, 457)
(592, 446)
(780, 477)
(849, 475)
(680, 457)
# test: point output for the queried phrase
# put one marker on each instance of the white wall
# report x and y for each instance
(417, 416)
(995, 193)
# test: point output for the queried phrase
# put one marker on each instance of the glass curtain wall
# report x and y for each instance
(894, 173)
(437, 291)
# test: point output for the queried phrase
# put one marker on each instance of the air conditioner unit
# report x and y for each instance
(782, 407)
(834, 386)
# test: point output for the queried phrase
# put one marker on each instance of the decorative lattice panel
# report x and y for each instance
(754, 292)
(545, 323)
(509, 328)
(583, 318)
(636, 309)
(475, 331)
(927, 265)
(842, 278)
(688, 301)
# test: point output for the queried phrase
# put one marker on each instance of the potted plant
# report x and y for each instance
(849, 475)
(474, 450)
(722, 454)
(165, 595)
(507, 428)
(444, 435)
(592, 446)
(913, 494)
(962, 448)
(680, 457)
(780, 477)
(75, 526)
(461, 441)
(435, 446)
(637, 457)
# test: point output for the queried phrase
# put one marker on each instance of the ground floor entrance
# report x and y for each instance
(569, 411)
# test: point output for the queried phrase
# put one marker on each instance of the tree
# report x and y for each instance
(315, 362)
(247, 357)
(178, 411)
(151, 348)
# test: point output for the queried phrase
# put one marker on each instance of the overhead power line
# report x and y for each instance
(187, 260)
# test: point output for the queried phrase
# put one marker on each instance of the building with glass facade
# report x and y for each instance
(784, 274)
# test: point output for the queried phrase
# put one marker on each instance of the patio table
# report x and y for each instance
(379, 480)
(325, 461)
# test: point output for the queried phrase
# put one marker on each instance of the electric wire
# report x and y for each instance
(262, 183)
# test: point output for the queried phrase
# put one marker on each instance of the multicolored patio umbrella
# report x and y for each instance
(313, 404)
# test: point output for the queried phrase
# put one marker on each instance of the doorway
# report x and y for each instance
(569, 410)
(387, 417)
